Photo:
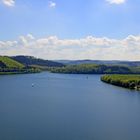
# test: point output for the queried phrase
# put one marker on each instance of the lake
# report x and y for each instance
(46, 106)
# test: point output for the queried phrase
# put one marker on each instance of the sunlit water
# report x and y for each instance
(49, 106)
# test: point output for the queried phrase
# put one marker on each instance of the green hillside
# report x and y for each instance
(10, 66)
(127, 81)
(10, 63)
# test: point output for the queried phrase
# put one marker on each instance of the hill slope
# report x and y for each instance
(6, 62)
(10, 66)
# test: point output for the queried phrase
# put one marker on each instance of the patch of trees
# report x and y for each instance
(127, 81)
(2, 65)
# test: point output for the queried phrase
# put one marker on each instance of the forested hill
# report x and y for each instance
(97, 69)
(10, 66)
(32, 61)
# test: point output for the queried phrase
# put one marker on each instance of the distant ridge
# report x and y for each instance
(100, 62)
(33, 61)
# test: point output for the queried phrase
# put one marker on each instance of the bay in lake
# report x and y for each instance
(46, 106)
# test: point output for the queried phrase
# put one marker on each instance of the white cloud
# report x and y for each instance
(9, 3)
(89, 47)
(26, 40)
(116, 1)
(52, 4)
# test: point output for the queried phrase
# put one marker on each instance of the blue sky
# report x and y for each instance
(71, 20)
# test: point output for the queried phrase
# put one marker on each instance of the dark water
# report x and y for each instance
(66, 107)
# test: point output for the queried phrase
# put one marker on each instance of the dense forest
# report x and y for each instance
(32, 61)
(127, 81)
(96, 69)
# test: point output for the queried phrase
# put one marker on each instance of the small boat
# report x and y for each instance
(32, 84)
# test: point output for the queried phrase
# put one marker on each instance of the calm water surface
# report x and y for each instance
(66, 107)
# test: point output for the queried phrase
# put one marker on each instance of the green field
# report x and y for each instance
(10, 63)
(127, 81)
